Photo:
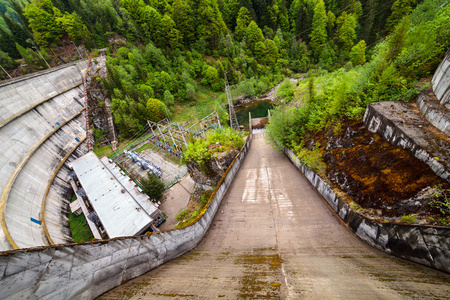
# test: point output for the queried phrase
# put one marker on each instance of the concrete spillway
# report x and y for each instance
(41, 123)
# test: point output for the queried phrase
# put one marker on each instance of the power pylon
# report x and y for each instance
(233, 119)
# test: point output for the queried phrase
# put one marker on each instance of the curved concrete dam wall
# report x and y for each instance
(21, 94)
(41, 120)
(441, 81)
(84, 271)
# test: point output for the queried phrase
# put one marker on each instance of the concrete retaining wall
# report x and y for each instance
(376, 122)
(441, 81)
(424, 245)
(84, 271)
(435, 113)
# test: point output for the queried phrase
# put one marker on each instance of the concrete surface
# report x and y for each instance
(84, 271)
(402, 125)
(19, 95)
(58, 200)
(23, 211)
(441, 81)
(433, 111)
(274, 237)
(33, 110)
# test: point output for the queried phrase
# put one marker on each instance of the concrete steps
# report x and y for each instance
(422, 128)
(432, 110)
(402, 125)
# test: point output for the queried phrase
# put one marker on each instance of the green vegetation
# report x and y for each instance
(171, 57)
(313, 158)
(441, 200)
(195, 208)
(200, 151)
(153, 186)
(413, 50)
(79, 228)
(409, 219)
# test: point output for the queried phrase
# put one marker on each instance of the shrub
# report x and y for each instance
(285, 91)
(313, 158)
(441, 200)
(197, 151)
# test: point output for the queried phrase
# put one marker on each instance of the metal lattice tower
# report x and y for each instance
(233, 119)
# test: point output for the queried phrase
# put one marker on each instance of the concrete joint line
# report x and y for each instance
(12, 178)
(43, 72)
(4, 122)
(428, 248)
(47, 190)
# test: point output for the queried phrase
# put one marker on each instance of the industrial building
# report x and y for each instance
(113, 205)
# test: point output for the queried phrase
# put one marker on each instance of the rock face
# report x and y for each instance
(213, 170)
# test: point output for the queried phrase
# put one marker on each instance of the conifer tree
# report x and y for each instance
(42, 22)
(242, 22)
(6, 62)
(19, 10)
(7, 44)
(318, 34)
(346, 31)
(254, 35)
(182, 16)
(358, 53)
(19, 33)
(169, 35)
(397, 39)
(399, 9)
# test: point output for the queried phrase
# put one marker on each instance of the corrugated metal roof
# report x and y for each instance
(122, 209)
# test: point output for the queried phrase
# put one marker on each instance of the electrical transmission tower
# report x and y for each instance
(233, 119)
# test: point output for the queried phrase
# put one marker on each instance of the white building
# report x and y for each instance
(112, 200)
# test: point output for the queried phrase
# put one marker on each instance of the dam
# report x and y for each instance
(268, 231)
(41, 126)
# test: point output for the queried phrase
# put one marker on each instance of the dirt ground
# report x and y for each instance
(384, 180)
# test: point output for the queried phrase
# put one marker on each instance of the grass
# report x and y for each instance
(101, 151)
(205, 104)
(79, 227)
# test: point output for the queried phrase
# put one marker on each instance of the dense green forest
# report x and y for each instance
(171, 50)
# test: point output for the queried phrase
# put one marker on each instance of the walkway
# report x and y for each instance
(274, 237)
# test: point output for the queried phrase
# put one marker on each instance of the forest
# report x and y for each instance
(162, 53)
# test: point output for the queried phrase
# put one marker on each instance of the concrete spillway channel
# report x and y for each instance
(41, 124)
